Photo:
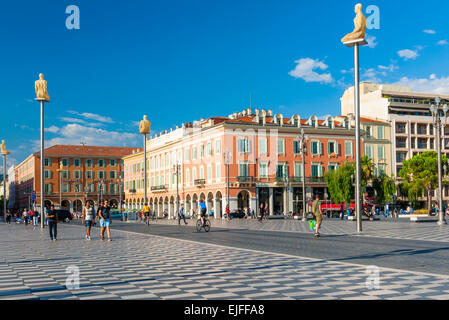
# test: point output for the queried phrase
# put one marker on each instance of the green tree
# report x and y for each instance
(339, 183)
(367, 171)
(420, 174)
(385, 187)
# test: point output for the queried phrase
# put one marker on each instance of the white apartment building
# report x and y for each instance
(408, 112)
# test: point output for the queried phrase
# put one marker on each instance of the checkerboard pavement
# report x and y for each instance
(139, 266)
(405, 230)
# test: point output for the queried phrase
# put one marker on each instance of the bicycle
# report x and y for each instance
(200, 225)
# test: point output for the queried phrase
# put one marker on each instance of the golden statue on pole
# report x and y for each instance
(145, 125)
(3, 148)
(41, 89)
(359, 26)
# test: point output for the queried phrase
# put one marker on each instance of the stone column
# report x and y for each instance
(270, 201)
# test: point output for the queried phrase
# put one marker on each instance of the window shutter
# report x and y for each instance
(250, 145)
(320, 146)
(336, 149)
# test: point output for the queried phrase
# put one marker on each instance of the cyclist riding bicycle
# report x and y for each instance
(146, 211)
(203, 210)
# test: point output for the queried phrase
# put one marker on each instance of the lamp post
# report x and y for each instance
(120, 195)
(438, 123)
(42, 96)
(60, 184)
(228, 158)
(176, 167)
(303, 153)
(4, 154)
(144, 129)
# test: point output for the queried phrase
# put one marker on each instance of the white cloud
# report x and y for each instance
(442, 43)
(432, 84)
(429, 31)
(305, 70)
(52, 129)
(73, 134)
(408, 54)
(80, 121)
(371, 41)
(97, 117)
(92, 116)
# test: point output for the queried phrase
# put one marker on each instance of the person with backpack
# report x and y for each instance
(203, 210)
(104, 212)
(88, 218)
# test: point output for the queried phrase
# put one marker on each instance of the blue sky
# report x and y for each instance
(178, 61)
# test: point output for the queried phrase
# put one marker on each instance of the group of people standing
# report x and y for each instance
(26, 216)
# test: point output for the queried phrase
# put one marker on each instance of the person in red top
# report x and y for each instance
(227, 212)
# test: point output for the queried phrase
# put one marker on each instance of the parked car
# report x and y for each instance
(64, 215)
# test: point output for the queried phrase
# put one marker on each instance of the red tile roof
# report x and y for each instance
(67, 150)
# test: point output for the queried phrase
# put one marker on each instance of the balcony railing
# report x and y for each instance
(315, 180)
(132, 190)
(159, 188)
(246, 179)
(199, 182)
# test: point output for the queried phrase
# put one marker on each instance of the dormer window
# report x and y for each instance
(314, 123)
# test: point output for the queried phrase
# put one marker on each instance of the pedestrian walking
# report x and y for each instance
(8, 217)
(181, 215)
(25, 216)
(318, 213)
(342, 211)
(52, 220)
(262, 211)
(88, 218)
(35, 218)
(227, 212)
(104, 212)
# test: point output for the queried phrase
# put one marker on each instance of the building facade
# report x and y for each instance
(377, 142)
(254, 157)
(412, 130)
(89, 173)
(11, 187)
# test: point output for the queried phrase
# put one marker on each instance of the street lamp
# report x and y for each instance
(42, 96)
(144, 129)
(60, 183)
(4, 153)
(228, 158)
(176, 168)
(438, 123)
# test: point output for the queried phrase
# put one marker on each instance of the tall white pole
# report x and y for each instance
(357, 137)
(145, 167)
(4, 187)
(43, 214)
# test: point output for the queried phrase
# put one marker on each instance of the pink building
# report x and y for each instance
(265, 163)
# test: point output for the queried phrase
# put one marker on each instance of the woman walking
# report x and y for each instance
(262, 211)
(88, 218)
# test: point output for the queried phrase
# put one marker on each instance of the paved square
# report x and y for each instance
(138, 266)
